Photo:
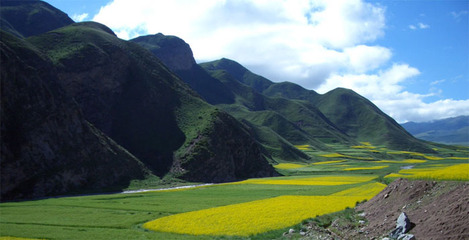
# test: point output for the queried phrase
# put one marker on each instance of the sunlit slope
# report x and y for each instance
(343, 110)
(362, 120)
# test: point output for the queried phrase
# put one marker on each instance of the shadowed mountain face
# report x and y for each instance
(25, 18)
(126, 92)
(48, 148)
(141, 119)
(177, 56)
(122, 90)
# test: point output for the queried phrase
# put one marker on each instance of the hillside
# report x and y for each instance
(453, 131)
(282, 114)
(349, 113)
(47, 146)
(278, 123)
(125, 94)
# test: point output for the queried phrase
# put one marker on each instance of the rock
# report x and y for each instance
(361, 222)
(404, 221)
(406, 237)
(403, 225)
(291, 231)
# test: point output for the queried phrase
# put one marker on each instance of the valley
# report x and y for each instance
(338, 180)
(105, 138)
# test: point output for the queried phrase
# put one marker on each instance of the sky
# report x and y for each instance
(409, 57)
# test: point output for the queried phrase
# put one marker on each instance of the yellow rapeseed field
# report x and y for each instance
(458, 158)
(368, 190)
(366, 168)
(303, 147)
(254, 217)
(403, 161)
(363, 147)
(455, 172)
(328, 162)
(417, 154)
(319, 181)
(332, 155)
(289, 166)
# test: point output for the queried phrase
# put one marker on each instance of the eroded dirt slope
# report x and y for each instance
(439, 210)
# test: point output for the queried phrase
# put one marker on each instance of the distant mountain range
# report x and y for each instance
(82, 110)
(454, 131)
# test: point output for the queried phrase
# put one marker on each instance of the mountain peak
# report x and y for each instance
(31, 17)
(173, 51)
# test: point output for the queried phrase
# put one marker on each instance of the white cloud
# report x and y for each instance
(460, 14)
(284, 40)
(437, 82)
(386, 91)
(419, 26)
(79, 17)
(423, 26)
(318, 44)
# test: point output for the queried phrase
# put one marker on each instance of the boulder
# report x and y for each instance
(403, 225)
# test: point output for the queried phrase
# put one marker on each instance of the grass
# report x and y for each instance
(286, 201)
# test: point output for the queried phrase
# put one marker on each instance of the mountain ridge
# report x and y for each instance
(131, 102)
(148, 107)
(453, 130)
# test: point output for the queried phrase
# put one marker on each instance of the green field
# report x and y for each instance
(121, 216)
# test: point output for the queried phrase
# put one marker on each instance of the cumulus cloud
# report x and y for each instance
(386, 90)
(318, 44)
(285, 40)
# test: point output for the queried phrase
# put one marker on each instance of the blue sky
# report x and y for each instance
(410, 58)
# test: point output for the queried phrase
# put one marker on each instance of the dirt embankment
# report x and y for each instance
(436, 210)
(439, 210)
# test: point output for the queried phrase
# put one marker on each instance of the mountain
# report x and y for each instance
(453, 131)
(360, 119)
(285, 114)
(118, 110)
(26, 18)
(125, 91)
(177, 56)
(342, 110)
(275, 122)
(47, 146)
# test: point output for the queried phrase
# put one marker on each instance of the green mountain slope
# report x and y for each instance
(362, 120)
(125, 91)
(47, 147)
(278, 123)
(340, 116)
(30, 17)
(344, 109)
(449, 131)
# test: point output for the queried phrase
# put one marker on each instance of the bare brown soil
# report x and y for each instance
(439, 210)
